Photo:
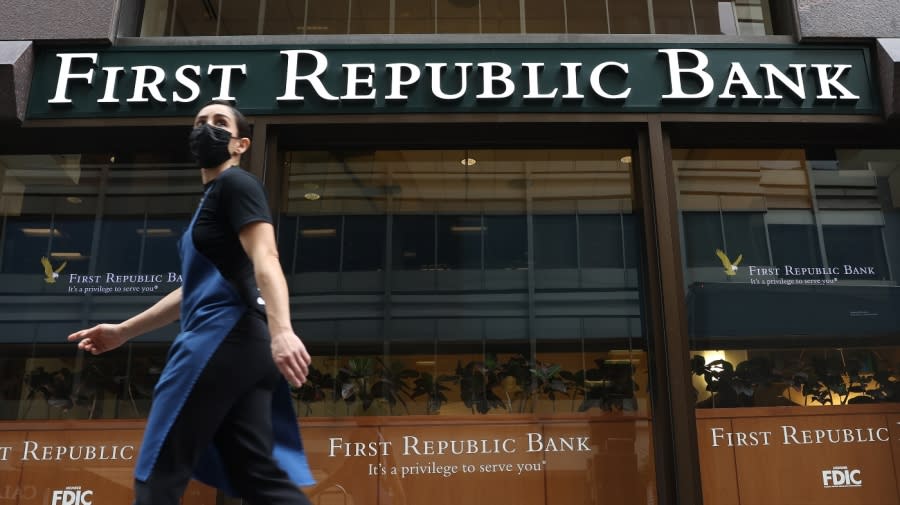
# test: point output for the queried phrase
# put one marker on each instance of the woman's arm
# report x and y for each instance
(288, 351)
(105, 337)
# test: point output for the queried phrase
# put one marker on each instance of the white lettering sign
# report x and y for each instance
(72, 495)
(841, 476)
(309, 74)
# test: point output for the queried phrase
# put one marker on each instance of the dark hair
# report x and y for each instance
(243, 125)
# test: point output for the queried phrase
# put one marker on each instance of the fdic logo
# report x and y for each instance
(72, 495)
(841, 476)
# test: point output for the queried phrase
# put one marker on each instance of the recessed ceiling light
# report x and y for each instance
(625, 159)
(41, 232)
(318, 232)
(468, 162)
(155, 232)
(73, 199)
(68, 255)
(312, 196)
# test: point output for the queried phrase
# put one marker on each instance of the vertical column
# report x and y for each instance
(674, 427)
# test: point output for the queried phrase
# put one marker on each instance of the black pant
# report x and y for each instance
(230, 406)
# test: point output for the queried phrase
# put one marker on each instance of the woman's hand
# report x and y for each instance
(100, 338)
(290, 357)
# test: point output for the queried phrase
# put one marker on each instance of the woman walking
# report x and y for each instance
(221, 410)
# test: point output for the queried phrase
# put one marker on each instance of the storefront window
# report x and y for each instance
(86, 238)
(792, 304)
(796, 377)
(454, 282)
(784, 249)
(486, 297)
(321, 17)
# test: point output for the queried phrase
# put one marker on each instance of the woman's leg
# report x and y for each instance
(228, 374)
(245, 442)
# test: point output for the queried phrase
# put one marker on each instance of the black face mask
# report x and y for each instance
(209, 145)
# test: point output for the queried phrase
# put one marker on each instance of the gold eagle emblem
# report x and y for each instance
(50, 275)
(730, 267)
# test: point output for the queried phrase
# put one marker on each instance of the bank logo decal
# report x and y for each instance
(730, 268)
(72, 495)
(50, 275)
(841, 476)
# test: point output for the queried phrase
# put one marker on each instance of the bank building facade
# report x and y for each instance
(542, 252)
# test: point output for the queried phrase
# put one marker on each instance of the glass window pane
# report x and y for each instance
(156, 21)
(326, 17)
(287, 236)
(363, 243)
(239, 17)
(459, 242)
(811, 376)
(745, 233)
(194, 19)
(673, 16)
(545, 16)
(505, 243)
(601, 241)
(500, 16)
(586, 16)
(794, 244)
(26, 241)
(414, 243)
(809, 243)
(702, 236)
(457, 331)
(628, 16)
(284, 17)
(370, 16)
(161, 236)
(857, 250)
(708, 15)
(557, 245)
(414, 16)
(318, 244)
(457, 16)
(127, 235)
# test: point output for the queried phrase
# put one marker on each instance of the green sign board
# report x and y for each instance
(339, 79)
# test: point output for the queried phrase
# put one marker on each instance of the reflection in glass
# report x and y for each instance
(414, 16)
(459, 242)
(458, 16)
(673, 16)
(363, 247)
(505, 243)
(789, 242)
(326, 17)
(318, 244)
(238, 17)
(54, 381)
(284, 17)
(74, 226)
(370, 16)
(558, 238)
(794, 245)
(411, 274)
(322, 17)
(859, 249)
(125, 233)
(810, 377)
(545, 16)
(414, 243)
